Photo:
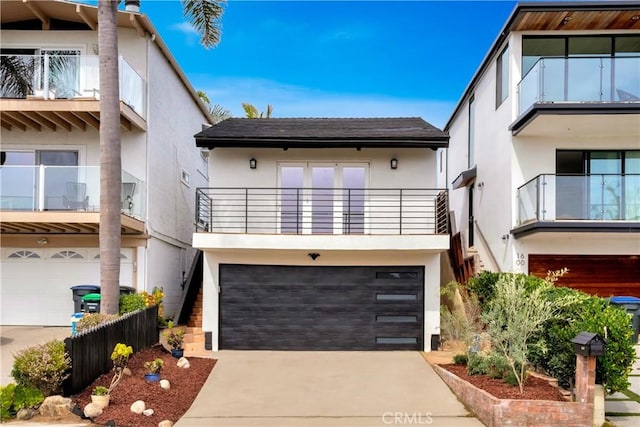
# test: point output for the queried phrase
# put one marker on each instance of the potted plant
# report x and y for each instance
(153, 370)
(100, 396)
(175, 339)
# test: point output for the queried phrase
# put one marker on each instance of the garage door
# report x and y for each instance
(36, 281)
(602, 275)
(321, 308)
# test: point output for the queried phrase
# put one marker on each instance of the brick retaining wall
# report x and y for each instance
(495, 412)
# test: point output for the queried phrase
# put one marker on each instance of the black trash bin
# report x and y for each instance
(632, 305)
(91, 303)
(126, 290)
(78, 292)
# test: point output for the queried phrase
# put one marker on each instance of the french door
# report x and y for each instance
(322, 198)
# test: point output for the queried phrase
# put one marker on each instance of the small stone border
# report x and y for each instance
(494, 412)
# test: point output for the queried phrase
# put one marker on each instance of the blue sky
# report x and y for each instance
(337, 58)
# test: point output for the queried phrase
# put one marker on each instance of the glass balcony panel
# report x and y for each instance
(18, 188)
(585, 79)
(66, 77)
(552, 78)
(76, 188)
(595, 197)
(581, 79)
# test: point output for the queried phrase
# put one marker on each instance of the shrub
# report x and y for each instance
(131, 302)
(43, 367)
(477, 364)
(513, 316)
(461, 359)
(91, 320)
(555, 354)
(100, 390)
(154, 366)
(462, 322)
(497, 366)
(15, 397)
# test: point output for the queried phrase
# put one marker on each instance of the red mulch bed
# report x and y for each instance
(534, 389)
(167, 404)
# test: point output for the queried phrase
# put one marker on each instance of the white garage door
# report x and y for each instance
(36, 282)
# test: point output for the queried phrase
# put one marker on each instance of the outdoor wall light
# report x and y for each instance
(253, 163)
(394, 163)
(313, 255)
(505, 238)
(42, 241)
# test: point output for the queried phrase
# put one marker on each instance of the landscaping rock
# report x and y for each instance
(165, 423)
(148, 412)
(55, 406)
(127, 372)
(165, 384)
(92, 410)
(26, 414)
(138, 407)
(183, 363)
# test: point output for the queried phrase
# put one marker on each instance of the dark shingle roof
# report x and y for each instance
(323, 133)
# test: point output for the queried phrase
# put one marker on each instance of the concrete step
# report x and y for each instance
(192, 338)
(193, 347)
(192, 330)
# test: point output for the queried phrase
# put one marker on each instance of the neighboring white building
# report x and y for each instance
(322, 234)
(50, 160)
(544, 158)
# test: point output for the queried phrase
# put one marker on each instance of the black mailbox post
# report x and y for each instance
(588, 344)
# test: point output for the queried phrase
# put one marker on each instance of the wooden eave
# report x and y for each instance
(572, 20)
(62, 114)
(62, 222)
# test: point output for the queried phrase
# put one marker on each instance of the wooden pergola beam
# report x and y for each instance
(86, 18)
(46, 23)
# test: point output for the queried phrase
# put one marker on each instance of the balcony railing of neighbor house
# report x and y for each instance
(595, 197)
(322, 211)
(581, 79)
(66, 77)
(49, 188)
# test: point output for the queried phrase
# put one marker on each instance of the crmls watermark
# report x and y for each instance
(407, 418)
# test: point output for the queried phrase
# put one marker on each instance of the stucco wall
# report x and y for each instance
(229, 167)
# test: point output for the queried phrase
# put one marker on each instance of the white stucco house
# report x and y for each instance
(49, 194)
(544, 156)
(322, 234)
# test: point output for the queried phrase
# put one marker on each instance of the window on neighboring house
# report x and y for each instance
(502, 77)
(471, 142)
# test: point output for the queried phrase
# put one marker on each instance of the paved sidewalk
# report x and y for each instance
(621, 408)
(262, 388)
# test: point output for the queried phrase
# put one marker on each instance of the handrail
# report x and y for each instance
(291, 210)
(492, 258)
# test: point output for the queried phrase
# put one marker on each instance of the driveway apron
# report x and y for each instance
(265, 388)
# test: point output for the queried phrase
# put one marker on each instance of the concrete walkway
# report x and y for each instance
(262, 388)
(623, 409)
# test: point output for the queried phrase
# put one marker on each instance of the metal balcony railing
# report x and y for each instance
(76, 188)
(322, 211)
(595, 197)
(66, 77)
(581, 79)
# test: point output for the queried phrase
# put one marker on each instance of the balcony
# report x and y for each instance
(63, 199)
(322, 211)
(596, 202)
(561, 93)
(63, 92)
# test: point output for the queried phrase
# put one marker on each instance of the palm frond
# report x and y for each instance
(219, 113)
(16, 76)
(204, 97)
(250, 110)
(205, 17)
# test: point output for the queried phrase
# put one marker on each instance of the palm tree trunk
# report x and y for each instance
(110, 160)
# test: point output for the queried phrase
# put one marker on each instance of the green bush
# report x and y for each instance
(477, 364)
(554, 352)
(461, 359)
(497, 366)
(484, 284)
(132, 302)
(460, 323)
(91, 320)
(15, 397)
(43, 367)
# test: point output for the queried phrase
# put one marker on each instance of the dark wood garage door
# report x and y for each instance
(602, 275)
(321, 308)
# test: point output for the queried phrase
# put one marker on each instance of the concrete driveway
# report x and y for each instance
(15, 338)
(263, 388)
